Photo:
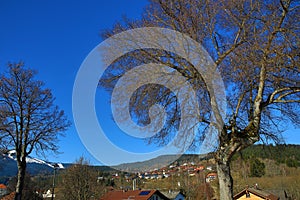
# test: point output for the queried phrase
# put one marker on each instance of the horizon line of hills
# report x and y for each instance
(283, 153)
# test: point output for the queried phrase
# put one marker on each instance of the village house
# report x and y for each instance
(254, 194)
(174, 195)
(3, 190)
(10, 196)
(211, 176)
(48, 194)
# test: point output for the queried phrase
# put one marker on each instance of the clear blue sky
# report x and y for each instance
(54, 37)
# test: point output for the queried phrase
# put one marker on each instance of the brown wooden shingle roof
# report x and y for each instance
(10, 196)
(132, 194)
(261, 193)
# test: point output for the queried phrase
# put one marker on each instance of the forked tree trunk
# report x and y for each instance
(21, 178)
(225, 179)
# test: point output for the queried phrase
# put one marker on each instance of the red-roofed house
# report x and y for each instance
(211, 176)
(134, 195)
(3, 190)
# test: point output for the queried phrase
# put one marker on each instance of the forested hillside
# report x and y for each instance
(282, 154)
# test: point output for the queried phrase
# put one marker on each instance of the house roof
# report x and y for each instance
(10, 196)
(257, 192)
(132, 194)
(2, 186)
(172, 194)
(211, 174)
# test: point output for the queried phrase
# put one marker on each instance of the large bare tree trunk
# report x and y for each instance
(21, 178)
(224, 175)
(225, 180)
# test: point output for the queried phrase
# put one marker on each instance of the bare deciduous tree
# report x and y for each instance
(255, 46)
(80, 182)
(29, 120)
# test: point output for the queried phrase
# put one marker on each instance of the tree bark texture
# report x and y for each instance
(21, 178)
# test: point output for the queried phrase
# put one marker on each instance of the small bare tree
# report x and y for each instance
(29, 120)
(255, 46)
(80, 182)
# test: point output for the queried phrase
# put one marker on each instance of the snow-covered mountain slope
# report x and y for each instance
(12, 154)
(8, 165)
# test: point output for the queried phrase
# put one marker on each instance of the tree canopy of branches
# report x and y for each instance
(80, 182)
(255, 46)
(29, 120)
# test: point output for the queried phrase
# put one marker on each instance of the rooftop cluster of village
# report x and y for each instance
(188, 168)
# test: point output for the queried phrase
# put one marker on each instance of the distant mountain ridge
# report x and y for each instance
(8, 165)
